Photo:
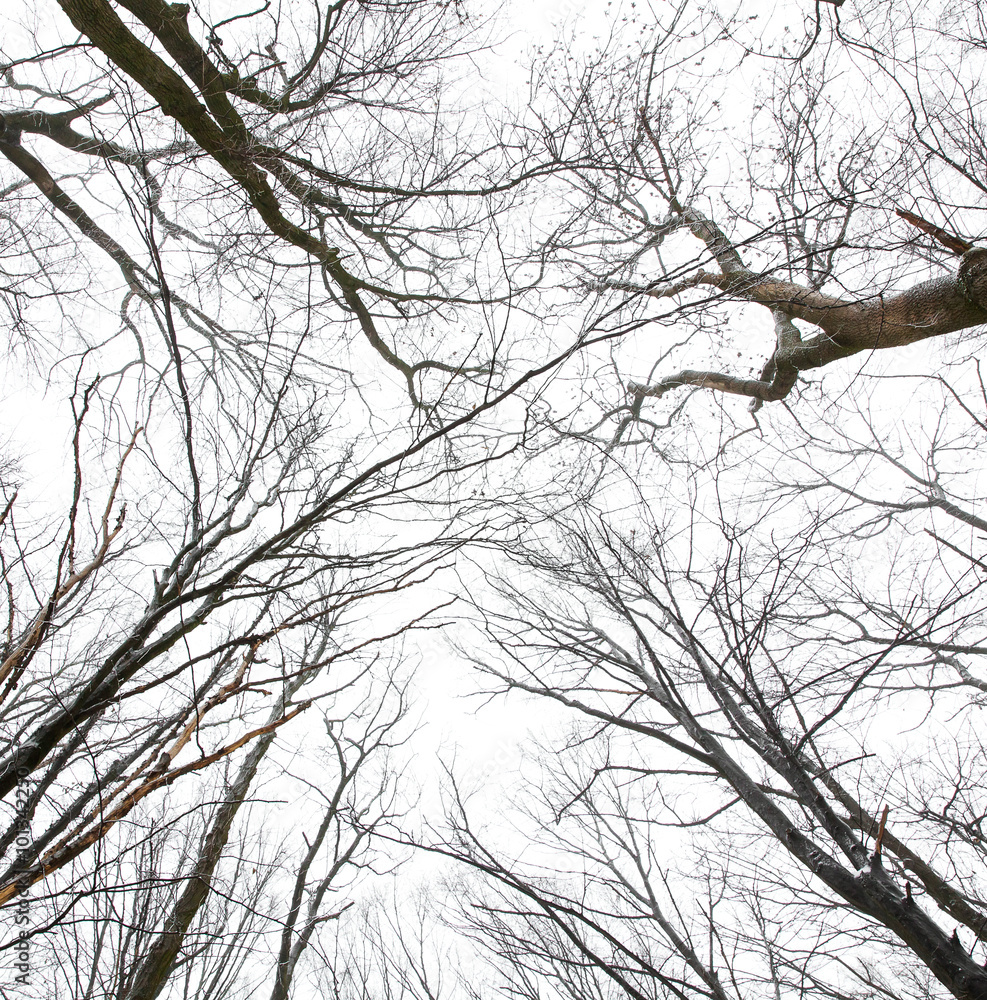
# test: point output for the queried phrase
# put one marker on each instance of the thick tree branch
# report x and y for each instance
(930, 309)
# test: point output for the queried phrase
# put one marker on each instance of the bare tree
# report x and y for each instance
(203, 213)
(778, 182)
(304, 157)
(772, 780)
(768, 634)
(267, 270)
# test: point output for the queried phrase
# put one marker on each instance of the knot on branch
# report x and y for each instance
(973, 276)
